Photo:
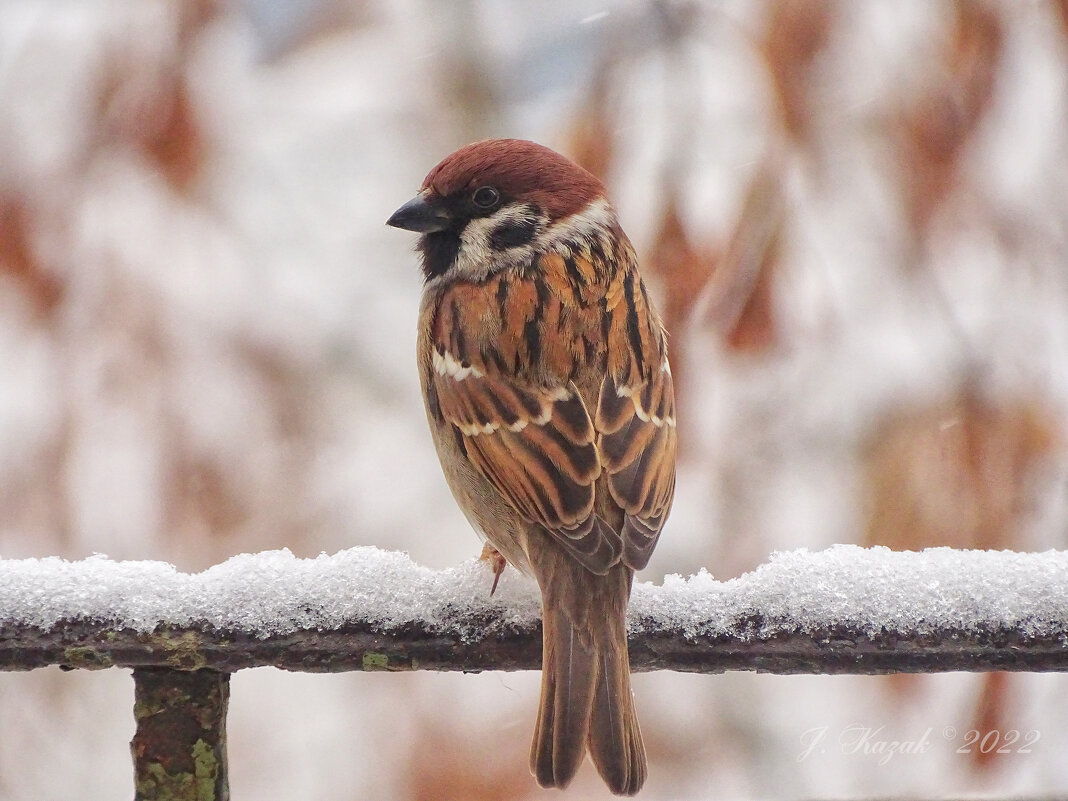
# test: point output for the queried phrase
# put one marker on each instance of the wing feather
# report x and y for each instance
(637, 443)
(537, 447)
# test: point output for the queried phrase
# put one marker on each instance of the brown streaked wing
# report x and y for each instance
(637, 443)
(535, 445)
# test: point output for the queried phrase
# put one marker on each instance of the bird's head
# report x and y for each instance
(494, 204)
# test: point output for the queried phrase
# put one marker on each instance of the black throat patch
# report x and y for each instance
(439, 251)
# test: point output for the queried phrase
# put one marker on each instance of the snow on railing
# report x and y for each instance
(843, 610)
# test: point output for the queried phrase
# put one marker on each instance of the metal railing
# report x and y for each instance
(181, 672)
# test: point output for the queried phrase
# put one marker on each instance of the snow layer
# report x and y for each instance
(274, 592)
(871, 590)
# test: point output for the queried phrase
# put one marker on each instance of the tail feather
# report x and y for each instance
(568, 678)
(586, 703)
(615, 739)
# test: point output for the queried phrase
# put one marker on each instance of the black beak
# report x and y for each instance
(420, 216)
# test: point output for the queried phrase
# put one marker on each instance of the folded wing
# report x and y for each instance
(637, 442)
(537, 447)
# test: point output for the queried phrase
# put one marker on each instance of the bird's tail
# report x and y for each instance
(586, 702)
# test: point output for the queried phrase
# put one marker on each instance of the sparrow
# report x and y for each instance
(546, 382)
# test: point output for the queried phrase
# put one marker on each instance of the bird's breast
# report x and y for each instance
(530, 328)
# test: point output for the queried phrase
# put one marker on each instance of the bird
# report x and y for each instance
(545, 377)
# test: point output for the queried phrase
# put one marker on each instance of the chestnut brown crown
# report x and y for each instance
(520, 171)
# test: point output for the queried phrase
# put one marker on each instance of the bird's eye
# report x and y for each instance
(485, 197)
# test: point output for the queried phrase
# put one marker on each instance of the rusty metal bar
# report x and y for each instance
(492, 641)
(179, 748)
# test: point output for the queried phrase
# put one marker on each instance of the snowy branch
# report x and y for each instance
(844, 610)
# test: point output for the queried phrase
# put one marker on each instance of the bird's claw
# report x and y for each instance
(496, 561)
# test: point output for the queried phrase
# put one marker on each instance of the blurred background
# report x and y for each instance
(854, 217)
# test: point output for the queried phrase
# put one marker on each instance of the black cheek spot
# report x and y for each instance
(513, 233)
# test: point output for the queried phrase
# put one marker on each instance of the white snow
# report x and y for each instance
(275, 592)
(272, 592)
(872, 590)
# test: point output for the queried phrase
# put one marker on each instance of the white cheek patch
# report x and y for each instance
(474, 258)
(477, 258)
(593, 222)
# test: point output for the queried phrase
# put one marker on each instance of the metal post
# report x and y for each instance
(179, 748)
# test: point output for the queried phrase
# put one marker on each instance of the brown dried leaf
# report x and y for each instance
(935, 130)
(678, 263)
(590, 141)
(683, 271)
(18, 261)
(175, 144)
(756, 330)
(796, 33)
(193, 17)
(742, 306)
(201, 496)
(145, 103)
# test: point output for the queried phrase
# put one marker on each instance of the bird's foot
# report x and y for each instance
(496, 561)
